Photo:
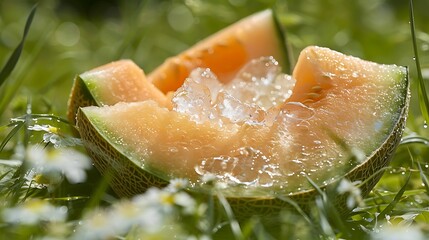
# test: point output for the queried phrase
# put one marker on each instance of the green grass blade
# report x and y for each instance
(424, 178)
(5, 174)
(423, 98)
(10, 135)
(287, 48)
(101, 189)
(297, 208)
(395, 201)
(415, 140)
(328, 208)
(235, 226)
(13, 60)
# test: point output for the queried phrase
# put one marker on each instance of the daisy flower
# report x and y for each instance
(354, 192)
(54, 136)
(66, 161)
(397, 232)
(33, 211)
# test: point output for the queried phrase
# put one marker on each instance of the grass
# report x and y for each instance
(38, 63)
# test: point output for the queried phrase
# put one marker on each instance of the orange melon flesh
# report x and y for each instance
(127, 83)
(224, 52)
(335, 97)
(119, 81)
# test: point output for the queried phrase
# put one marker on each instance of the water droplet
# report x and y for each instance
(296, 110)
(173, 150)
(425, 125)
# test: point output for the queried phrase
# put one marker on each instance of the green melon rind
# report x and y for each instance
(80, 96)
(129, 178)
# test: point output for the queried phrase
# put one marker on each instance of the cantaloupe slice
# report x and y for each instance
(226, 51)
(338, 101)
(120, 81)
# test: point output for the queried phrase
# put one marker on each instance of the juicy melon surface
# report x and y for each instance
(338, 100)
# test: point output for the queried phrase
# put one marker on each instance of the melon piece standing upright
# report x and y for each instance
(226, 51)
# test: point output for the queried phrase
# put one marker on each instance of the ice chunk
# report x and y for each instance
(236, 111)
(254, 96)
(260, 82)
(206, 77)
(194, 97)
(243, 166)
(262, 71)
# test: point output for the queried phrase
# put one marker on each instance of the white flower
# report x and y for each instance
(56, 230)
(33, 211)
(95, 225)
(354, 192)
(54, 136)
(123, 215)
(153, 220)
(150, 214)
(156, 198)
(61, 141)
(187, 204)
(407, 218)
(43, 128)
(185, 201)
(35, 180)
(178, 184)
(67, 161)
(397, 232)
(208, 178)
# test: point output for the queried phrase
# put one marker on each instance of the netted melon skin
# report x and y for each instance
(80, 96)
(126, 178)
(129, 179)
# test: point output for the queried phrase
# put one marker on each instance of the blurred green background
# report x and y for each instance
(69, 37)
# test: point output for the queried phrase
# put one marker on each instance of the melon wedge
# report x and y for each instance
(119, 81)
(344, 118)
(225, 52)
